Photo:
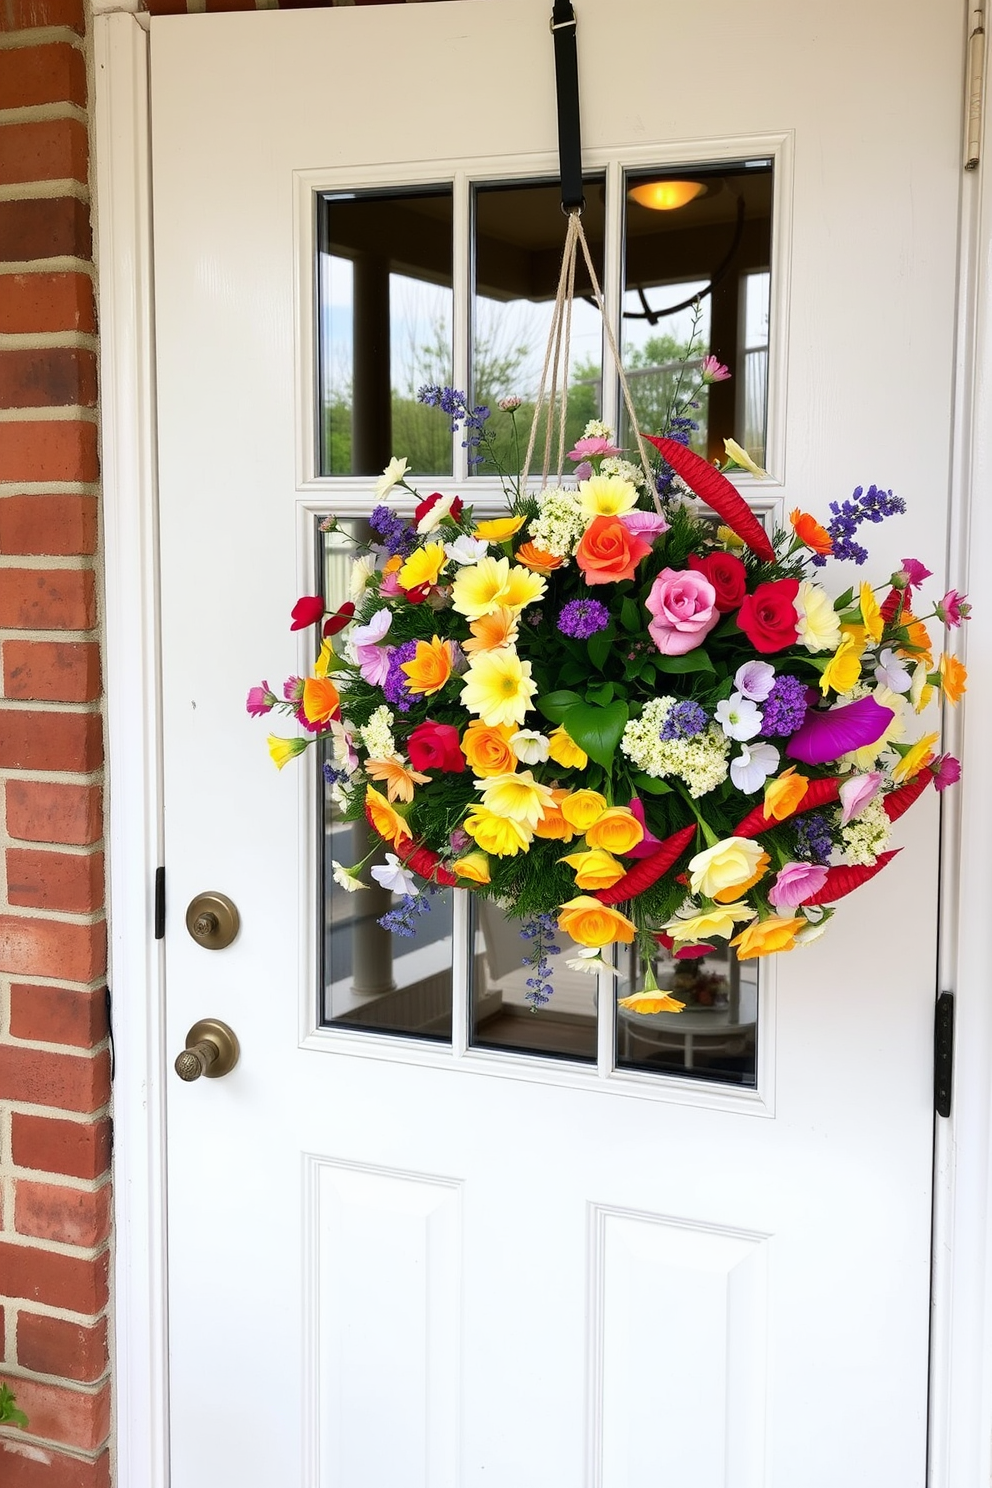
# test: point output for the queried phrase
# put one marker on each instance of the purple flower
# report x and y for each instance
(395, 687)
(260, 700)
(796, 882)
(872, 505)
(915, 573)
(398, 537)
(645, 524)
(826, 735)
(946, 771)
(784, 709)
(582, 618)
(813, 842)
(685, 721)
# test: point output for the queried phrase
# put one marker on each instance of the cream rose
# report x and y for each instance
(817, 622)
(727, 869)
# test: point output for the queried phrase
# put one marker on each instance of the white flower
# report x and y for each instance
(390, 477)
(701, 761)
(866, 836)
(372, 633)
(589, 959)
(435, 516)
(755, 680)
(596, 429)
(393, 876)
(560, 524)
(466, 549)
(891, 672)
(738, 717)
(361, 571)
(347, 878)
(810, 933)
(345, 757)
(753, 765)
(377, 735)
(530, 747)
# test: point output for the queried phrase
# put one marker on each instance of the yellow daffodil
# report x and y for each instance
(594, 869)
(721, 920)
(423, 566)
(912, 762)
(651, 1002)
(523, 588)
(429, 668)
(480, 588)
(783, 794)
(616, 831)
(768, 935)
(490, 632)
(743, 459)
(498, 529)
(870, 613)
(564, 751)
(498, 835)
(606, 496)
(474, 866)
(728, 868)
(387, 822)
(322, 665)
(398, 778)
(517, 796)
(590, 923)
(498, 687)
(843, 670)
(582, 808)
(282, 750)
(953, 677)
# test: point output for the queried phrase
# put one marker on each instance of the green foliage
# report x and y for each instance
(9, 1414)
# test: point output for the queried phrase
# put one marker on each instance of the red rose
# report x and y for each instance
(434, 746)
(768, 616)
(728, 576)
(455, 510)
(307, 611)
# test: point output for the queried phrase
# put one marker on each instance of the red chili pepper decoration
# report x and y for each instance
(648, 870)
(818, 793)
(899, 801)
(715, 489)
(844, 880)
(420, 859)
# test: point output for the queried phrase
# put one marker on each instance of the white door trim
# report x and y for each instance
(961, 1362)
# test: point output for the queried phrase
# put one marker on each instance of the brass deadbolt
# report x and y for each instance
(211, 1049)
(212, 920)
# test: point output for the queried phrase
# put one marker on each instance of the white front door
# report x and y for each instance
(427, 1263)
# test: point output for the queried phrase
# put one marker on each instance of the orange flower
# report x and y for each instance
(594, 869)
(487, 748)
(553, 825)
(651, 1002)
(398, 778)
(953, 676)
(609, 551)
(320, 699)
(768, 935)
(474, 866)
(387, 822)
(492, 631)
(783, 795)
(536, 559)
(593, 924)
(809, 531)
(617, 830)
(917, 638)
(430, 666)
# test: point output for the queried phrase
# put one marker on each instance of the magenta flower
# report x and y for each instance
(260, 700)
(649, 842)
(952, 608)
(825, 736)
(946, 771)
(914, 573)
(593, 448)
(308, 609)
(795, 883)
(855, 794)
(713, 370)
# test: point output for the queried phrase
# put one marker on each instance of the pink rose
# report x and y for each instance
(684, 606)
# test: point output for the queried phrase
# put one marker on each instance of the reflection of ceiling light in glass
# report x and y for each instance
(665, 196)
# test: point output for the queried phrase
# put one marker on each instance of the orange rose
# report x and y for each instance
(487, 748)
(535, 558)
(594, 924)
(617, 830)
(553, 825)
(609, 551)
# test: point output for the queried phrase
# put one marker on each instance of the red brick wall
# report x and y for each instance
(54, 1060)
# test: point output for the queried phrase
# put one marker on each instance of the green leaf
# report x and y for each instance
(554, 705)
(652, 785)
(630, 616)
(843, 600)
(692, 661)
(601, 695)
(596, 730)
(600, 647)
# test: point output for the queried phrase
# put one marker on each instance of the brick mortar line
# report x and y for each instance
(61, 1314)
(59, 263)
(65, 562)
(35, 1377)
(28, 1108)
(43, 113)
(76, 917)
(52, 983)
(19, 705)
(52, 777)
(32, 36)
(76, 1118)
(72, 849)
(71, 637)
(49, 488)
(76, 1454)
(48, 340)
(53, 1247)
(57, 1180)
(51, 190)
(56, 413)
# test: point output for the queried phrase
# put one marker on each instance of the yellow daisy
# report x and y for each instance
(423, 566)
(606, 496)
(518, 796)
(498, 687)
(499, 530)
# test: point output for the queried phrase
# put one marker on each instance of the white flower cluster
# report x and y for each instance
(866, 836)
(561, 523)
(596, 429)
(377, 735)
(625, 469)
(700, 762)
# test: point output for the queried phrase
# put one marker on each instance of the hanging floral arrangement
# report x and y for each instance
(623, 709)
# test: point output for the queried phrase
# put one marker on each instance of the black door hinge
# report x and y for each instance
(943, 1053)
(159, 903)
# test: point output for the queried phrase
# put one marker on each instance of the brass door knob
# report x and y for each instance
(211, 1049)
(213, 920)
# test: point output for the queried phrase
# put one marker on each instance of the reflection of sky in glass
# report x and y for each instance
(679, 325)
(756, 292)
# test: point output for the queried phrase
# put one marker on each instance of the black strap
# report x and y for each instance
(567, 85)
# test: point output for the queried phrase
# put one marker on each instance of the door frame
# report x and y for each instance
(960, 1432)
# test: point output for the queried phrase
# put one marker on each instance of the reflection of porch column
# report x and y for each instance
(725, 329)
(371, 945)
(371, 435)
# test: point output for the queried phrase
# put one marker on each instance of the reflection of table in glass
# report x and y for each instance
(714, 1030)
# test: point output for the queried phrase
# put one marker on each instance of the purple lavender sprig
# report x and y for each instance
(455, 405)
(872, 505)
(540, 930)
